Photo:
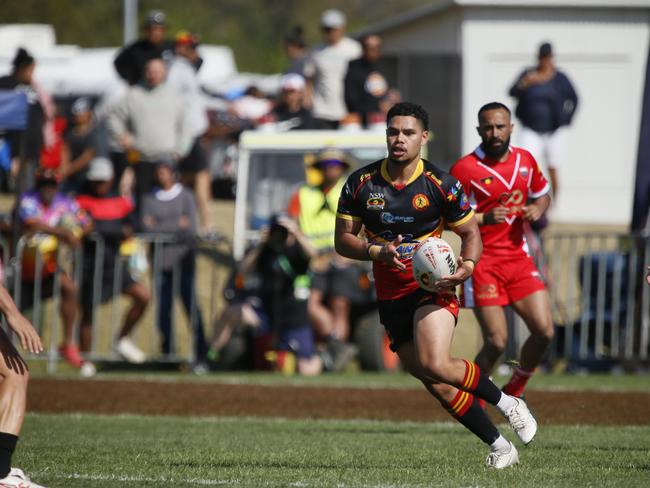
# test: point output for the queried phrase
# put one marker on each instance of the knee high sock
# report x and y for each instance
(479, 384)
(517, 382)
(466, 409)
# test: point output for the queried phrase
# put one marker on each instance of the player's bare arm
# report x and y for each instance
(536, 209)
(349, 245)
(29, 339)
(470, 252)
(496, 215)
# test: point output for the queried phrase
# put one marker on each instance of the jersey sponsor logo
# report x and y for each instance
(420, 201)
(389, 218)
(375, 203)
(486, 291)
(406, 250)
(455, 190)
(523, 172)
(365, 176)
(514, 198)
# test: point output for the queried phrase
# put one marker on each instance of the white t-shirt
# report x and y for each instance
(183, 80)
(326, 67)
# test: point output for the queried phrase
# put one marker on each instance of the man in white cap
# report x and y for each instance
(290, 113)
(326, 68)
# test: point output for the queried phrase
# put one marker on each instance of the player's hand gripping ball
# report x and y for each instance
(433, 259)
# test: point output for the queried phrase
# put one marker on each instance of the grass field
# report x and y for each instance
(73, 450)
(100, 451)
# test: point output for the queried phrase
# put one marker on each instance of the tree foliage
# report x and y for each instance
(252, 28)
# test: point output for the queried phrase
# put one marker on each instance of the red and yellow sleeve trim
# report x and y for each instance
(348, 217)
(463, 220)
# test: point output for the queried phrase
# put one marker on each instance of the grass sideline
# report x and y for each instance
(551, 382)
(94, 451)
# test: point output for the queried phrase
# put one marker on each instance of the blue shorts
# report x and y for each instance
(299, 341)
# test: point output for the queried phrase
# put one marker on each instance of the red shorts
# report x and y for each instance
(502, 280)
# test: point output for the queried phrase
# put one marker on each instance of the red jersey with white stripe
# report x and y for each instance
(510, 183)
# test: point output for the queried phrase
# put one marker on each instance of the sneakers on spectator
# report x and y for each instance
(342, 354)
(17, 479)
(88, 369)
(501, 458)
(129, 351)
(70, 352)
(522, 421)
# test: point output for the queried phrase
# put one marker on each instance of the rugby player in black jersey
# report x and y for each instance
(398, 202)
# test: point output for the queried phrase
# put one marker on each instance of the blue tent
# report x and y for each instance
(13, 110)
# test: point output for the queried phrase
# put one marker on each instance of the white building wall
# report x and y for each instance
(604, 53)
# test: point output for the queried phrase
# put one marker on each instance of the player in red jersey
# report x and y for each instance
(508, 190)
(398, 202)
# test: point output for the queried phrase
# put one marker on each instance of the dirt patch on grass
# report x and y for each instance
(49, 395)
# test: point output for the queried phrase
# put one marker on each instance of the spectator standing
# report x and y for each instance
(46, 212)
(21, 79)
(290, 113)
(326, 68)
(193, 168)
(333, 277)
(132, 59)
(295, 47)
(365, 85)
(150, 123)
(546, 104)
(170, 209)
(114, 221)
(80, 144)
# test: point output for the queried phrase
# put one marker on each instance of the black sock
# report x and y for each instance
(7, 447)
(466, 409)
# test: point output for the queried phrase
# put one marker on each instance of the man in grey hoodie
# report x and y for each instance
(150, 124)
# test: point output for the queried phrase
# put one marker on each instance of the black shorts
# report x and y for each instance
(337, 281)
(108, 288)
(397, 315)
(27, 292)
(195, 161)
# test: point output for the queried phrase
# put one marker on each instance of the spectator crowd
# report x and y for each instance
(92, 175)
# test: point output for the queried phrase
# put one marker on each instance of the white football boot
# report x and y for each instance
(501, 458)
(522, 421)
(17, 479)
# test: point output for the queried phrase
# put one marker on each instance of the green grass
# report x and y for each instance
(105, 451)
(603, 382)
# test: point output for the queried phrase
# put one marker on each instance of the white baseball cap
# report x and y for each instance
(333, 19)
(292, 81)
(101, 169)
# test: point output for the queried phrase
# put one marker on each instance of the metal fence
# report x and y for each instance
(142, 258)
(600, 299)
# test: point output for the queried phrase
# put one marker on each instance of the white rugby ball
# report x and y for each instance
(433, 259)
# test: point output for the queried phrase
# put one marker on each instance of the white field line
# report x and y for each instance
(195, 481)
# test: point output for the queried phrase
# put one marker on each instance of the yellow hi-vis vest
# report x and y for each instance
(318, 214)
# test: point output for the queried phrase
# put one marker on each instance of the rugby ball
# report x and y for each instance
(433, 259)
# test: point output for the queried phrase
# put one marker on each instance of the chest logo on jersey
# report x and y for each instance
(375, 201)
(420, 201)
(389, 218)
(514, 198)
(523, 172)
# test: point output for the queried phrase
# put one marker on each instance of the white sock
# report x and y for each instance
(506, 402)
(501, 444)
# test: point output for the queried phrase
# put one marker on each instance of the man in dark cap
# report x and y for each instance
(547, 102)
(131, 60)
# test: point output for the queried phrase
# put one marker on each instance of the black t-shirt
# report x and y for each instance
(286, 120)
(281, 289)
(78, 143)
(131, 60)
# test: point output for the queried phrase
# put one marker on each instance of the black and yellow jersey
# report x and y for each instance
(419, 209)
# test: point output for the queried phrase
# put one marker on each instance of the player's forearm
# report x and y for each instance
(471, 244)
(7, 305)
(350, 246)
